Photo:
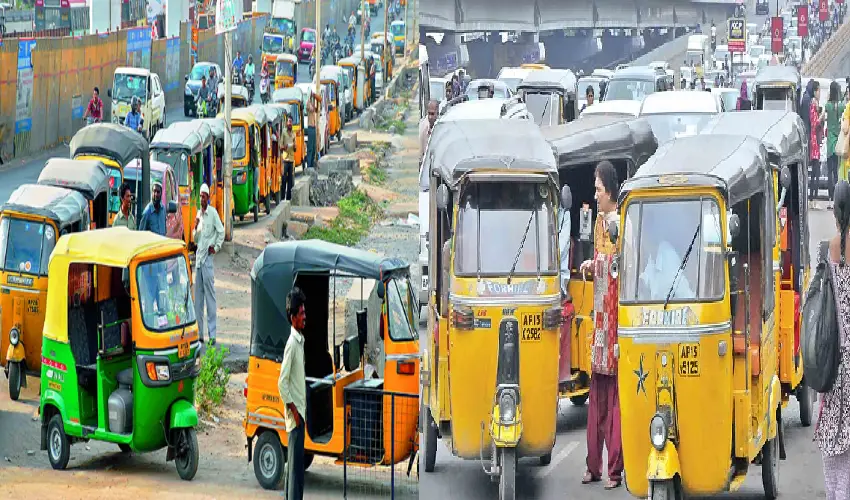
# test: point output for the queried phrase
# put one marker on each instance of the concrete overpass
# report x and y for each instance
(546, 15)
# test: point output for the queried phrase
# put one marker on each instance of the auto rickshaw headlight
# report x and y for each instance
(14, 336)
(507, 407)
(658, 431)
(158, 371)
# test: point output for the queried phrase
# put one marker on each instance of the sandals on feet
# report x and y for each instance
(588, 478)
(613, 483)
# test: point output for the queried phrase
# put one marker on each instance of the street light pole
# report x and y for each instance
(406, 27)
(363, 13)
(227, 216)
(318, 52)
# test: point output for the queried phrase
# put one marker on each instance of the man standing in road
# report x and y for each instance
(208, 235)
(425, 126)
(293, 392)
(312, 127)
(125, 218)
(287, 141)
(153, 218)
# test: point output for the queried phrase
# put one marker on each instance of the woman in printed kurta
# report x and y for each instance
(815, 130)
(603, 416)
(832, 433)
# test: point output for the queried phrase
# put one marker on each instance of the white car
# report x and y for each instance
(146, 86)
(479, 109)
(513, 76)
(677, 114)
(615, 108)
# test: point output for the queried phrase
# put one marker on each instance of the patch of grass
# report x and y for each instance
(375, 175)
(357, 213)
(211, 385)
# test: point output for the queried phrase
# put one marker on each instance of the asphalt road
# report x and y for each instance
(26, 170)
(800, 475)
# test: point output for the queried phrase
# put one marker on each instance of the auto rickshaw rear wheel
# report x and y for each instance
(308, 460)
(15, 377)
(770, 463)
(804, 397)
(507, 478)
(186, 457)
(268, 204)
(430, 440)
(58, 445)
(256, 210)
(579, 400)
(270, 461)
(546, 459)
(277, 195)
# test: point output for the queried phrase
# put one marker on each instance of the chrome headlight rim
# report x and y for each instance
(14, 336)
(658, 431)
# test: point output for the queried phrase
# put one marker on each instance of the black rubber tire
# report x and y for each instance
(61, 454)
(805, 398)
(15, 380)
(546, 459)
(308, 460)
(187, 464)
(507, 479)
(277, 195)
(125, 448)
(579, 400)
(662, 490)
(241, 218)
(268, 204)
(770, 464)
(270, 461)
(256, 211)
(430, 439)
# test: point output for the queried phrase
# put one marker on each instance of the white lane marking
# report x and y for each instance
(564, 453)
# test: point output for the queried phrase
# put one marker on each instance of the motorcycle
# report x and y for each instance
(265, 87)
(249, 83)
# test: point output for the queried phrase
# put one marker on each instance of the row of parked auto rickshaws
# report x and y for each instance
(724, 208)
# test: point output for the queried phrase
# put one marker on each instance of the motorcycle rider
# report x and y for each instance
(203, 94)
(212, 85)
(265, 84)
(94, 111)
(133, 120)
(249, 74)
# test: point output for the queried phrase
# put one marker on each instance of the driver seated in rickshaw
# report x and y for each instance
(662, 272)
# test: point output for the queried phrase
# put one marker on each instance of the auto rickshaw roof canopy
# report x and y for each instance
(109, 140)
(61, 205)
(735, 164)
(273, 113)
(89, 177)
(601, 137)
(178, 136)
(778, 75)
(113, 247)
(331, 73)
(243, 115)
(287, 58)
(201, 127)
(288, 94)
(216, 126)
(457, 147)
(259, 112)
(239, 91)
(554, 79)
(782, 131)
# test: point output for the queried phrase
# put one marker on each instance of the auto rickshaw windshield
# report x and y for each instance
(273, 44)
(401, 311)
(544, 106)
(667, 126)
(166, 296)
(285, 68)
(237, 134)
(492, 213)
(292, 112)
(628, 90)
(25, 245)
(686, 263)
(178, 161)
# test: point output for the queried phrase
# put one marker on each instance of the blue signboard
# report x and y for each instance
(172, 64)
(139, 47)
(23, 102)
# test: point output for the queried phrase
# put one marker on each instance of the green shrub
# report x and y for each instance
(211, 384)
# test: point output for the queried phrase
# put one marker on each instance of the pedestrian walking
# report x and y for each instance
(208, 235)
(293, 394)
(425, 126)
(744, 103)
(287, 141)
(834, 110)
(153, 218)
(603, 415)
(815, 127)
(831, 434)
(124, 217)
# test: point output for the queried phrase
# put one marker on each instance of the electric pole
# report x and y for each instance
(227, 216)
(318, 52)
(388, 55)
(363, 13)
(406, 27)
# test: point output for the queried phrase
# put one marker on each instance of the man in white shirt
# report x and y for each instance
(426, 125)
(208, 235)
(292, 386)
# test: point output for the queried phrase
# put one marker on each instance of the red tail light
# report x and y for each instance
(405, 368)
(463, 318)
(245, 389)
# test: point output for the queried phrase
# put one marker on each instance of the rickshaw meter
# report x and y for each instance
(658, 431)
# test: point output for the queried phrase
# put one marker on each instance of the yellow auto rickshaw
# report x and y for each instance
(239, 97)
(362, 370)
(784, 135)
(328, 76)
(274, 154)
(88, 177)
(264, 125)
(216, 126)
(359, 80)
(292, 102)
(579, 146)
(385, 52)
(115, 146)
(495, 309)
(285, 71)
(697, 350)
(31, 221)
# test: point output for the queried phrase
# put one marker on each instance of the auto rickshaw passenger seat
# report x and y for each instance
(83, 347)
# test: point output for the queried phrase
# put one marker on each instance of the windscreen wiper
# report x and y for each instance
(681, 266)
(521, 246)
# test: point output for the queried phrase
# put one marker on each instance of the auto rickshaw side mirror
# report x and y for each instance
(566, 197)
(613, 231)
(172, 207)
(186, 78)
(442, 197)
(785, 177)
(734, 225)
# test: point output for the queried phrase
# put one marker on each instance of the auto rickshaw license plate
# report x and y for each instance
(183, 350)
(689, 360)
(530, 327)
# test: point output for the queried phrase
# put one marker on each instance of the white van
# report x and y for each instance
(141, 83)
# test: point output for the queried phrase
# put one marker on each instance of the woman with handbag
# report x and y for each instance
(834, 110)
(831, 433)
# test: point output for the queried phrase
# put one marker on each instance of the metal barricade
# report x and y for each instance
(381, 444)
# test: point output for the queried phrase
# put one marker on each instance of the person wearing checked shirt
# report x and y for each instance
(208, 236)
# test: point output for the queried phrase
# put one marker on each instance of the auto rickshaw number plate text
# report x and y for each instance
(183, 350)
(530, 327)
(689, 360)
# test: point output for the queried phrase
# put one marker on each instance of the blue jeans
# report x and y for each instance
(311, 146)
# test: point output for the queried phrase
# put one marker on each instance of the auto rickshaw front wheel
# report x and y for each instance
(256, 210)
(58, 445)
(186, 453)
(15, 380)
(663, 490)
(770, 463)
(579, 400)
(507, 478)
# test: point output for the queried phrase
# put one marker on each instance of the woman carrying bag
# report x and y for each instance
(834, 110)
